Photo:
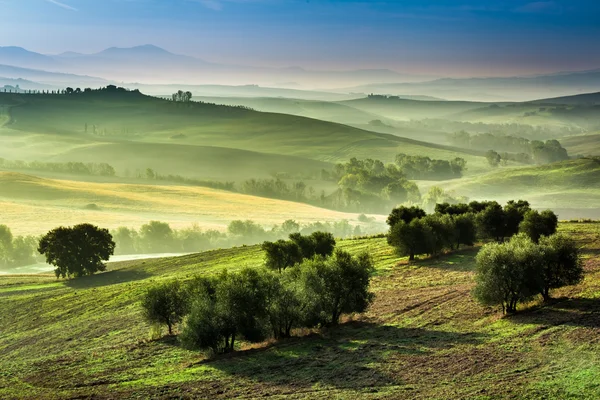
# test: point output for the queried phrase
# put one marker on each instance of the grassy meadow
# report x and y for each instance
(569, 187)
(424, 337)
(34, 205)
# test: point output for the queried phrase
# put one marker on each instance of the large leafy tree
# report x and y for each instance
(77, 251)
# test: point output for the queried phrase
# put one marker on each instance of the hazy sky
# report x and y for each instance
(456, 37)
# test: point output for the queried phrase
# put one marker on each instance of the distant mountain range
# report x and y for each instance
(151, 64)
(157, 71)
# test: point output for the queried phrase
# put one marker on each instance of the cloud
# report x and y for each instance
(540, 7)
(63, 5)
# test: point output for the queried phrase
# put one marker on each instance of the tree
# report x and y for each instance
(77, 251)
(405, 214)
(443, 233)
(514, 213)
(284, 304)
(157, 237)
(493, 158)
(508, 273)
(336, 285)
(324, 243)
(465, 229)
(491, 222)
(165, 304)
(411, 238)
(562, 264)
(281, 254)
(306, 244)
(6, 242)
(536, 224)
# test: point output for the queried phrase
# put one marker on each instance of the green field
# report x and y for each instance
(53, 127)
(423, 337)
(569, 187)
(588, 145)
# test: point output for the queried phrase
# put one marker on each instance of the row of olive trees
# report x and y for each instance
(283, 254)
(520, 269)
(414, 232)
(255, 304)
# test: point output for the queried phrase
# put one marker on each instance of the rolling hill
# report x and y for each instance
(570, 187)
(131, 117)
(34, 205)
(588, 145)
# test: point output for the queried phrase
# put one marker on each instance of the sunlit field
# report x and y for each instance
(423, 337)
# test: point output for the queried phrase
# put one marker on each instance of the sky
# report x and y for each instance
(441, 37)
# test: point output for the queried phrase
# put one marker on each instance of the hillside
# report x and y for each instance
(569, 187)
(33, 205)
(424, 337)
(60, 121)
(588, 145)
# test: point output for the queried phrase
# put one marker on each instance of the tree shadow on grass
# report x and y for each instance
(107, 278)
(579, 312)
(462, 260)
(352, 356)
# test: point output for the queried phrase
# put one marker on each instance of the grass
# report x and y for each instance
(57, 123)
(569, 187)
(33, 205)
(423, 338)
(588, 145)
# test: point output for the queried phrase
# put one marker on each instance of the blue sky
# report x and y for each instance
(456, 37)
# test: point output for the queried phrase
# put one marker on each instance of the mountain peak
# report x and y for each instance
(142, 49)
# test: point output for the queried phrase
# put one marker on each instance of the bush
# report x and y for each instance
(165, 304)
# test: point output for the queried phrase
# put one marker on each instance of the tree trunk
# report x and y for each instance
(411, 257)
(169, 325)
(546, 295)
(232, 342)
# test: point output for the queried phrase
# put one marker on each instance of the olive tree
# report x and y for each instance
(411, 239)
(562, 264)
(334, 286)
(165, 304)
(537, 224)
(508, 273)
